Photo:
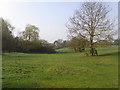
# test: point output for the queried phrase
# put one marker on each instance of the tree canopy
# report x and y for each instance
(31, 33)
(91, 22)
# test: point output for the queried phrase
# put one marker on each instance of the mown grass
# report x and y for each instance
(61, 70)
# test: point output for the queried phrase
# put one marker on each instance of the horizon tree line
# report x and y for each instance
(89, 27)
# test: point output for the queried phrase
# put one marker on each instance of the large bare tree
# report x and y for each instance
(91, 22)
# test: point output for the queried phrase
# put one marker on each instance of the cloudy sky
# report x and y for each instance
(50, 17)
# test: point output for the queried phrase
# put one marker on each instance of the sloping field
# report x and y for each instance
(61, 70)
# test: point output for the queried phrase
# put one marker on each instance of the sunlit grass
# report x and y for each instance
(67, 70)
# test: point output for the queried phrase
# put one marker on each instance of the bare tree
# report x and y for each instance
(91, 22)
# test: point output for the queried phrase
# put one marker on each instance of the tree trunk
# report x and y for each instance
(91, 46)
(29, 37)
(75, 49)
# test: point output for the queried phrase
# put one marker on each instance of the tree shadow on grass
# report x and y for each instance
(69, 52)
(109, 54)
(106, 54)
(64, 52)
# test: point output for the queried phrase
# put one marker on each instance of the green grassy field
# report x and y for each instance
(62, 70)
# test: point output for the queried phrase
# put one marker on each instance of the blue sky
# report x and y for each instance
(50, 17)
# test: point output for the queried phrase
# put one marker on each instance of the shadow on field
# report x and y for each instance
(108, 54)
(64, 52)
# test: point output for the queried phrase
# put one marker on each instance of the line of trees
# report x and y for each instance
(80, 44)
(89, 27)
(27, 42)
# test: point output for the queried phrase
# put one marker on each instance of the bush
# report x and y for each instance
(33, 47)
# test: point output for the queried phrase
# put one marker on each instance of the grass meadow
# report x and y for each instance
(61, 70)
